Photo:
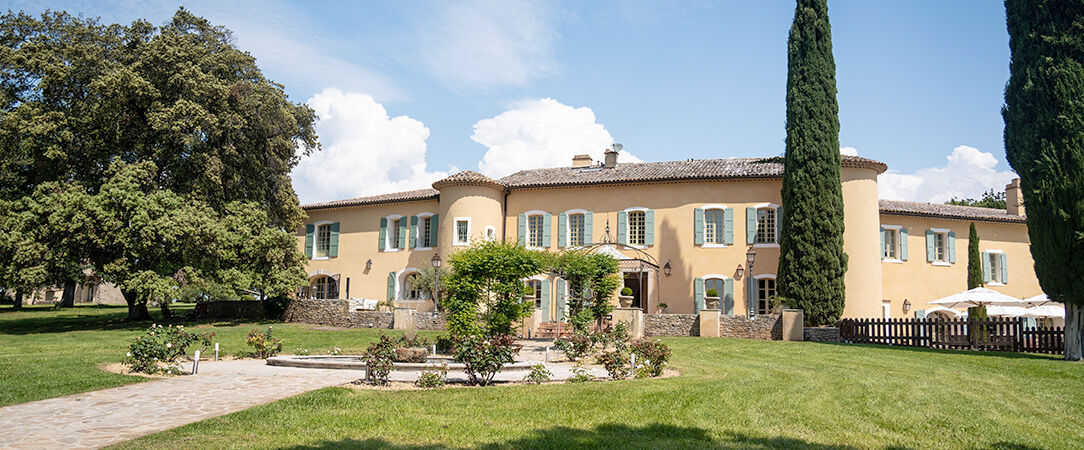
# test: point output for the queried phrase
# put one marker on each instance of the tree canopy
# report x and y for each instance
(990, 199)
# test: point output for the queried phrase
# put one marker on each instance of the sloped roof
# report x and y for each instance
(395, 197)
(948, 211)
(468, 177)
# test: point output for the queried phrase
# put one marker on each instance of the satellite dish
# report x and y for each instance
(617, 147)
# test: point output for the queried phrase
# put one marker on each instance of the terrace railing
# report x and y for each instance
(993, 334)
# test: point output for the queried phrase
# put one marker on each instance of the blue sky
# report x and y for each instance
(411, 91)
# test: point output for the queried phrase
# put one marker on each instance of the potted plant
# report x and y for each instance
(625, 297)
(662, 308)
(711, 300)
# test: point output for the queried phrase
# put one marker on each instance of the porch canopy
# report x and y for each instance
(979, 296)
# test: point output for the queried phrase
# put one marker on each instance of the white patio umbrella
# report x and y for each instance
(979, 296)
(1039, 300)
(1051, 310)
(1005, 311)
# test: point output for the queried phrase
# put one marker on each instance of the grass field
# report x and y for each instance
(731, 393)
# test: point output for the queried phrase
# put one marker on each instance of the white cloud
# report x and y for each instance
(365, 151)
(541, 133)
(968, 173)
(850, 151)
(481, 44)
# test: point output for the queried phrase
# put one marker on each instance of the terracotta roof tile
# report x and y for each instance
(405, 196)
(468, 177)
(948, 211)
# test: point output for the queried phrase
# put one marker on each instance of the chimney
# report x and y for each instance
(1014, 198)
(581, 161)
(611, 159)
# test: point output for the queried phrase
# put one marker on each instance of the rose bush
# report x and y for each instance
(483, 357)
(158, 350)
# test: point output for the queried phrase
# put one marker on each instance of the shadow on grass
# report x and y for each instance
(45, 319)
(1011, 355)
(655, 436)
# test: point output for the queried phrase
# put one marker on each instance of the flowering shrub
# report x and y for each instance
(335, 351)
(445, 344)
(653, 355)
(618, 337)
(616, 363)
(432, 377)
(264, 343)
(577, 346)
(405, 341)
(301, 351)
(379, 359)
(483, 357)
(158, 350)
(580, 374)
(539, 374)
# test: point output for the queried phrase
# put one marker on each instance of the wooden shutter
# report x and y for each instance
(433, 227)
(985, 267)
(649, 227)
(561, 298)
(884, 248)
(903, 244)
(750, 225)
(413, 231)
(546, 300)
(523, 229)
(1004, 269)
(929, 246)
(952, 247)
(391, 286)
(778, 224)
(623, 227)
(383, 233)
(728, 296)
(402, 233)
(920, 314)
(698, 295)
(698, 226)
(547, 222)
(333, 247)
(562, 230)
(588, 225)
(310, 230)
(728, 226)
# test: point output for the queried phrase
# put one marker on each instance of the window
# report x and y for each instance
(637, 227)
(534, 230)
(766, 226)
(325, 288)
(765, 291)
(410, 287)
(323, 241)
(575, 230)
(491, 233)
(393, 233)
(713, 283)
(536, 291)
(892, 244)
(995, 268)
(426, 231)
(714, 227)
(462, 231)
(940, 247)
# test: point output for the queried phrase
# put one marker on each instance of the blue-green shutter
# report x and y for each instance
(522, 229)
(547, 222)
(561, 295)
(433, 228)
(903, 244)
(920, 314)
(546, 300)
(1030, 322)
(929, 246)
(952, 247)
(333, 246)
(750, 225)
(649, 227)
(884, 248)
(588, 226)
(402, 233)
(698, 295)
(698, 226)
(985, 267)
(391, 285)
(413, 231)
(622, 227)
(1004, 269)
(728, 226)
(383, 232)
(778, 224)
(562, 230)
(310, 230)
(728, 296)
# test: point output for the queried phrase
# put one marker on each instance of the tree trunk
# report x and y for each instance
(1074, 331)
(137, 310)
(67, 299)
(166, 313)
(18, 300)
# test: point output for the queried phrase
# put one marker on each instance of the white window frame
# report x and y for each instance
(995, 269)
(316, 236)
(490, 233)
(455, 231)
(540, 279)
(628, 226)
(418, 241)
(527, 228)
(775, 207)
(899, 245)
(944, 250)
(391, 245)
(756, 288)
(707, 244)
(568, 232)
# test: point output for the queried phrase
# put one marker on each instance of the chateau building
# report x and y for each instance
(679, 229)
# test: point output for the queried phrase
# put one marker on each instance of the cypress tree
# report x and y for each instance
(1044, 143)
(811, 258)
(974, 259)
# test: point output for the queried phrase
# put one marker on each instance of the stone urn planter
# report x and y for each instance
(626, 300)
(411, 354)
(711, 302)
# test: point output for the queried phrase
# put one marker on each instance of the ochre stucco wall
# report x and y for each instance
(861, 242)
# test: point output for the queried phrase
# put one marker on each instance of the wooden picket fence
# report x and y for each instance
(993, 334)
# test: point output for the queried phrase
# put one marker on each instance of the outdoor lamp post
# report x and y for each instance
(436, 261)
(750, 257)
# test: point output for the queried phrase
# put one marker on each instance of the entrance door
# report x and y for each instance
(637, 281)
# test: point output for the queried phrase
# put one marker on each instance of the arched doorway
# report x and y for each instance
(324, 287)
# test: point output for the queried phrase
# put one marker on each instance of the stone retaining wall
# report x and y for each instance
(671, 325)
(822, 334)
(427, 321)
(766, 326)
(335, 313)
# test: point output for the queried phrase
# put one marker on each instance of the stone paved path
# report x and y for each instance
(100, 418)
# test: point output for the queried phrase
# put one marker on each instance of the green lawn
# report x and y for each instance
(732, 393)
